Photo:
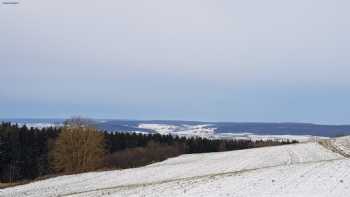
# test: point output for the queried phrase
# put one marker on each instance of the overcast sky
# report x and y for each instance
(216, 60)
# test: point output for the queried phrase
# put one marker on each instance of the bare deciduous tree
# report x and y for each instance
(79, 147)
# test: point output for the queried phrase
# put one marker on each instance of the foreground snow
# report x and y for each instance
(306, 169)
(309, 180)
(340, 145)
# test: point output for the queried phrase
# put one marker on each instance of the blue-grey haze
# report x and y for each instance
(224, 60)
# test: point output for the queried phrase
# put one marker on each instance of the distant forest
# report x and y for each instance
(26, 153)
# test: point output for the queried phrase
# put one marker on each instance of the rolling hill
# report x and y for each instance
(304, 169)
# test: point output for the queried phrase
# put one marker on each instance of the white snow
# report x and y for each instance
(341, 144)
(305, 169)
(205, 131)
(253, 137)
(183, 130)
(160, 128)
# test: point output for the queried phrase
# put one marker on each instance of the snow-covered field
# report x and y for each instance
(205, 131)
(305, 169)
(183, 130)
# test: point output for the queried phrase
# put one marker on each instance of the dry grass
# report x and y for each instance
(6, 185)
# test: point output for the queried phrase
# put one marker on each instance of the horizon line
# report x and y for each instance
(179, 120)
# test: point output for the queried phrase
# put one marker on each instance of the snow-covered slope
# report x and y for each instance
(181, 130)
(323, 179)
(340, 145)
(292, 170)
(206, 131)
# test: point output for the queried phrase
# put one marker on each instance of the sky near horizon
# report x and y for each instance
(223, 60)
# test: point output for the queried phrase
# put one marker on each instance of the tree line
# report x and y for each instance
(29, 153)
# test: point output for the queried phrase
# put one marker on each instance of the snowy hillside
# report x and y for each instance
(208, 131)
(181, 130)
(306, 169)
(340, 145)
